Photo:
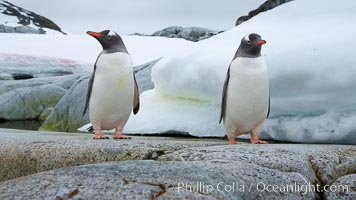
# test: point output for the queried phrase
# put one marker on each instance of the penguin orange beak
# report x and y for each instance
(261, 42)
(94, 34)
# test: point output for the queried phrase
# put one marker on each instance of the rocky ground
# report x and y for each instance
(51, 165)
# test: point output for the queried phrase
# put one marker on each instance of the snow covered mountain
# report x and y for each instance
(14, 19)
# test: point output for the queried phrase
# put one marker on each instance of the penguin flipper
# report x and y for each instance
(224, 96)
(269, 106)
(136, 100)
(90, 87)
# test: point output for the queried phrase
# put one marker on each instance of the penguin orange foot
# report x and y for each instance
(232, 140)
(255, 140)
(118, 136)
(99, 135)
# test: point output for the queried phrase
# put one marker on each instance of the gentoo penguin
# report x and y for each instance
(245, 100)
(112, 89)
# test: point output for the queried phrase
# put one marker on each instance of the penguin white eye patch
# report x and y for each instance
(111, 33)
(247, 38)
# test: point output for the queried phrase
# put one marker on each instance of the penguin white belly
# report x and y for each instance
(112, 95)
(247, 95)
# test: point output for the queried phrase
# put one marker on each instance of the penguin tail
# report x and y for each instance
(91, 129)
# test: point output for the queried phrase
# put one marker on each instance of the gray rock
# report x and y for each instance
(178, 168)
(196, 34)
(67, 114)
(36, 108)
(27, 152)
(143, 76)
(6, 76)
(318, 163)
(23, 124)
(343, 188)
(62, 81)
(6, 29)
(171, 31)
(267, 5)
(153, 180)
(29, 102)
(26, 29)
(189, 33)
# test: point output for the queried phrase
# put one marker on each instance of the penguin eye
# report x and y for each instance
(108, 36)
(248, 42)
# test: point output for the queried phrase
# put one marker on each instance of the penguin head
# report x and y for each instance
(110, 41)
(251, 46)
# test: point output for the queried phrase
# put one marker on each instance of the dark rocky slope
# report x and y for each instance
(268, 5)
(29, 22)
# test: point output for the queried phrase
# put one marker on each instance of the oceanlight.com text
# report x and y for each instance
(261, 187)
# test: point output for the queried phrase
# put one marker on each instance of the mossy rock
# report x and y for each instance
(67, 114)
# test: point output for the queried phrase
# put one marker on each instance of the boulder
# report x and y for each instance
(143, 76)
(29, 102)
(196, 34)
(67, 114)
(26, 29)
(170, 32)
(6, 29)
(189, 33)
(62, 81)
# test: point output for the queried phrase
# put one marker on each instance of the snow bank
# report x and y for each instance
(85, 49)
(311, 58)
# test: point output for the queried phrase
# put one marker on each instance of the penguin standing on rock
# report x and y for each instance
(112, 89)
(246, 100)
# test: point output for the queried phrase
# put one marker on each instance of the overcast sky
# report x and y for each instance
(144, 16)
